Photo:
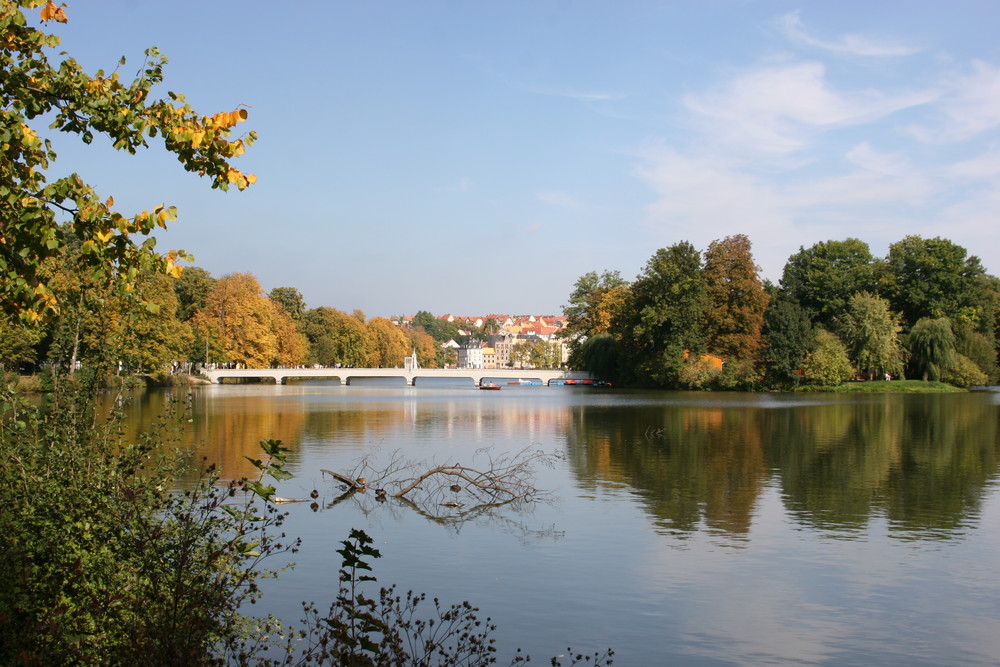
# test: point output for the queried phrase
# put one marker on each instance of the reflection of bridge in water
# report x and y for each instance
(413, 376)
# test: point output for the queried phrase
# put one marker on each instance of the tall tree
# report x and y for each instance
(152, 338)
(238, 322)
(823, 277)
(789, 336)
(389, 344)
(425, 347)
(736, 300)
(58, 94)
(871, 334)
(336, 338)
(290, 299)
(192, 290)
(662, 322)
(586, 311)
(936, 278)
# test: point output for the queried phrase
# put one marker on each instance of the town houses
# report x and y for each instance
(499, 341)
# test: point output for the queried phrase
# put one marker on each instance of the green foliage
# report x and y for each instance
(290, 299)
(663, 320)
(789, 337)
(583, 311)
(827, 365)
(823, 277)
(963, 372)
(932, 347)
(336, 338)
(933, 278)
(980, 348)
(18, 342)
(602, 355)
(871, 334)
(192, 291)
(102, 560)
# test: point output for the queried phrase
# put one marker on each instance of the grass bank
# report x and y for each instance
(890, 387)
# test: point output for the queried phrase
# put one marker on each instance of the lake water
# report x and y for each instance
(684, 528)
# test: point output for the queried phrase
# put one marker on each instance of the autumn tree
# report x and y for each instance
(244, 327)
(871, 334)
(735, 299)
(588, 309)
(425, 347)
(57, 93)
(389, 345)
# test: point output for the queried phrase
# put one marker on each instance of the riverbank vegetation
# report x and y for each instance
(926, 311)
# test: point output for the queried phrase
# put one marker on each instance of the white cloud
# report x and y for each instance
(986, 165)
(777, 109)
(855, 45)
(971, 107)
(580, 95)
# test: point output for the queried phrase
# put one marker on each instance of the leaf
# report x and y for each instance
(50, 12)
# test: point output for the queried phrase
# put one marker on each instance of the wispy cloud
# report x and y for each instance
(579, 95)
(777, 108)
(970, 107)
(852, 44)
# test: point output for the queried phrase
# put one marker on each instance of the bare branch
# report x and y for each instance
(456, 491)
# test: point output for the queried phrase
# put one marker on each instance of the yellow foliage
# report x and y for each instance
(51, 12)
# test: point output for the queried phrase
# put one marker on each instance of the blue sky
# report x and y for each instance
(473, 157)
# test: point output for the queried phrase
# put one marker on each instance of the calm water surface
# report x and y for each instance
(685, 528)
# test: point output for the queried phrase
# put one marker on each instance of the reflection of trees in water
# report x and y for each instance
(224, 432)
(921, 461)
(691, 464)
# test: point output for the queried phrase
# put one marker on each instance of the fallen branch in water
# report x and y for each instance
(498, 480)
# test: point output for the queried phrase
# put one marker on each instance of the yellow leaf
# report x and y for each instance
(105, 235)
(251, 178)
(161, 218)
(110, 202)
(196, 137)
(50, 12)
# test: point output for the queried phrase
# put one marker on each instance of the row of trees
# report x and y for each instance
(200, 319)
(927, 310)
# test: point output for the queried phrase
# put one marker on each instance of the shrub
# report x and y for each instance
(827, 365)
(963, 372)
(102, 561)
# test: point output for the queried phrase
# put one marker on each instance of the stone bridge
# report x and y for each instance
(411, 375)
